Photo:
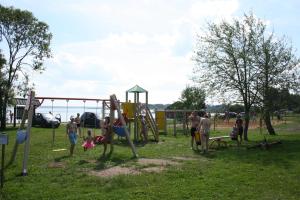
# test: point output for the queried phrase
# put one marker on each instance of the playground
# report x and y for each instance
(164, 168)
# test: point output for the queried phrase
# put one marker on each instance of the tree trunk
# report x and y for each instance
(3, 113)
(267, 119)
(247, 119)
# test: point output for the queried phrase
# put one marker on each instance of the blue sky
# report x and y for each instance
(103, 47)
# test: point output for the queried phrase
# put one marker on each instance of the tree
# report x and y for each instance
(278, 69)
(193, 98)
(225, 57)
(238, 59)
(28, 44)
(2, 83)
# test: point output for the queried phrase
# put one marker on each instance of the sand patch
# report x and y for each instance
(184, 158)
(148, 165)
(159, 162)
(114, 171)
(156, 169)
(56, 165)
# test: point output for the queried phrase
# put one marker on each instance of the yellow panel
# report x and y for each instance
(160, 120)
(128, 108)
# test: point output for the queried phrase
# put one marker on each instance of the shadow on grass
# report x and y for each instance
(61, 158)
(111, 159)
(281, 155)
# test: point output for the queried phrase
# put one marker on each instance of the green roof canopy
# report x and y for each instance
(137, 89)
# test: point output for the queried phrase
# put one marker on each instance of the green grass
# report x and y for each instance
(224, 173)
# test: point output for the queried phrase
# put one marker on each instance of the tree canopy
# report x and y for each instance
(192, 98)
(241, 59)
(26, 43)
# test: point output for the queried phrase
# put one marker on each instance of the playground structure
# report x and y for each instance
(134, 110)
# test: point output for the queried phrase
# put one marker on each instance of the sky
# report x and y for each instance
(104, 47)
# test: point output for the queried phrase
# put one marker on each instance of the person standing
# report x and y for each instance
(204, 128)
(72, 134)
(195, 120)
(11, 115)
(77, 120)
(239, 125)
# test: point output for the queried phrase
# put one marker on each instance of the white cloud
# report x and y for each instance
(152, 48)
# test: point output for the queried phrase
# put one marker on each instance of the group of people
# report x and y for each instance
(202, 126)
(73, 130)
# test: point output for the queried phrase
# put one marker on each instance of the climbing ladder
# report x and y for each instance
(151, 123)
(149, 119)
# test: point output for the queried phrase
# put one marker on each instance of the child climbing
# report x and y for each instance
(144, 128)
(88, 141)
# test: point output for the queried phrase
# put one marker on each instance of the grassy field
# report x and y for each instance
(224, 173)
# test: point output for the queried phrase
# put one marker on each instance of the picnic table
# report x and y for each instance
(219, 140)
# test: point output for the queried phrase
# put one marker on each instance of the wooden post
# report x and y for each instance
(120, 116)
(15, 115)
(215, 122)
(166, 127)
(135, 119)
(184, 123)
(174, 121)
(3, 142)
(27, 143)
(2, 165)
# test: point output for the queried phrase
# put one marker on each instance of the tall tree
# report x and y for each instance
(28, 43)
(239, 58)
(2, 83)
(278, 71)
(225, 57)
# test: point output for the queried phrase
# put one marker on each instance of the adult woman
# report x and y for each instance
(204, 128)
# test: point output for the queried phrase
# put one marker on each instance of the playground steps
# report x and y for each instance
(151, 122)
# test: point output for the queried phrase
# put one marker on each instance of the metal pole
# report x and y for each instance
(53, 129)
(67, 110)
(103, 110)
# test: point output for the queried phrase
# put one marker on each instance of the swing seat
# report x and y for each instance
(21, 136)
(120, 130)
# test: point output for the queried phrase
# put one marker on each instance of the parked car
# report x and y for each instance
(45, 120)
(89, 120)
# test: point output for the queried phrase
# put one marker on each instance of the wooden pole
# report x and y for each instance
(120, 116)
(2, 165)
(27, 142)
(15, 115)
(135, 118)
(174, 114)
(166, 126)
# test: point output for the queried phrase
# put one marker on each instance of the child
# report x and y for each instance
(144, 128)
(106, 137)
(88, 141)
(72, 134)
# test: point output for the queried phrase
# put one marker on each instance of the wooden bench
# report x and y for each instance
(219, 140)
